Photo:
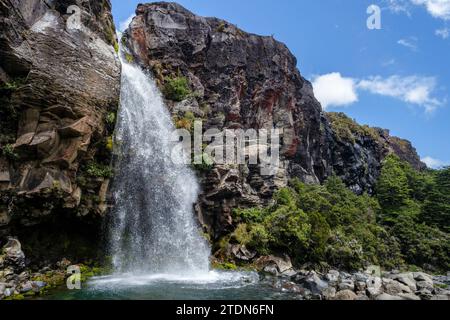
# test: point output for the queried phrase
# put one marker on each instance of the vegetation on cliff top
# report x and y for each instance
(330, 226)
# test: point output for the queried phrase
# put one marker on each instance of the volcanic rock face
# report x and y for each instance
(59, 77)
(243, 81)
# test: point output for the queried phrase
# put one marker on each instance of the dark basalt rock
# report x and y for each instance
(244, 81)
(59, 79)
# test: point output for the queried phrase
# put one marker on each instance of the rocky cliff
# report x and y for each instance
(239, 80)
(59, 89)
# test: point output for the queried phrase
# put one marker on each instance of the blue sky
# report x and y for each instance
(397, 77)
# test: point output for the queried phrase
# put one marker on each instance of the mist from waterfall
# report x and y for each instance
(153, 230)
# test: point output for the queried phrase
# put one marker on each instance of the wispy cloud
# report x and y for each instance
(388, 63)
(410, 43)
(443, 33)
(123, 25)
(434, 163)
(334, 90)
(412, 89)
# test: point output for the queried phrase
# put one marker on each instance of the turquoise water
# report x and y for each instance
(212, 286)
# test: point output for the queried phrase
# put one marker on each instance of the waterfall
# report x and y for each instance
(153, 229)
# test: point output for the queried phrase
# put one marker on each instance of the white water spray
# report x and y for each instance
(153, 229)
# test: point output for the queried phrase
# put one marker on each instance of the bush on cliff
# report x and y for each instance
(176, 89)
(317, 224)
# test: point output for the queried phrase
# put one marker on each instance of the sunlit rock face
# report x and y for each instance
(243, 81)
(60, 78)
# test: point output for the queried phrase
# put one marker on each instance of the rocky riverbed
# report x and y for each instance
(19, 281)
(371, 284)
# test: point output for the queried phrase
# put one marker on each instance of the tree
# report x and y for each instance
(392, 188)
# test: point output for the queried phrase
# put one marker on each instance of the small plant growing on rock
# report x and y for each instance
(111, 118)
(98, 170)
(129, 58)
(9, 153)
(13, 84)
(176, 89)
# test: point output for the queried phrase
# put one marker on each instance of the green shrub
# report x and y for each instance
(98, 170)
(176, 89)
(129, 58)
(9, 153)
(111, 118)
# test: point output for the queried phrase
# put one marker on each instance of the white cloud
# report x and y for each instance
(333, 90)
(437, 8)
(434, 163)
(410, 43)
(123, 25)
(444, 33)
(412, 89)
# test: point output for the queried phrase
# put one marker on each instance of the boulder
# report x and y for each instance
(240, 252)
(347, 285)
(374, 286)
(406, 279)
(274, 263)
(313, 283)
(329, 293)
(332, 277)
(345, 295)
(395, 288)
(13, 254)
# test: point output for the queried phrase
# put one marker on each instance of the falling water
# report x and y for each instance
(153, 229)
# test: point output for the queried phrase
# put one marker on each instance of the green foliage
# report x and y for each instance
(406, 223)
(221, 27)
(436, 208)
(185, 121)
(225, 266)
(98, 170)
(116, 47)
(13, 84)
(111, 118)
(392, 189)
(176, 89)
(317, 224)
(347, 129)
(415, 205)
(9, 153)
(129, 58)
